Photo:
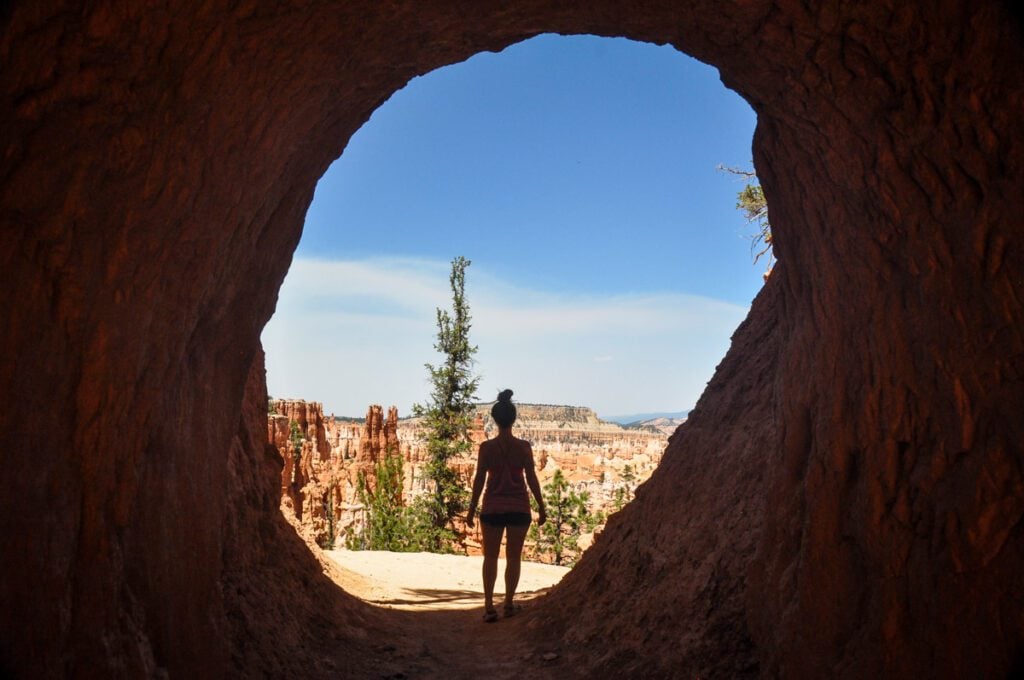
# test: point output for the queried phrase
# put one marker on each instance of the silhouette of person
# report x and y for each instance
(505, 464)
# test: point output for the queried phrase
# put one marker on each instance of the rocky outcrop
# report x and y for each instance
(595, 456)
(666, 426)
(324, 457)
(155, 170)
(690, 570)
(321, 631)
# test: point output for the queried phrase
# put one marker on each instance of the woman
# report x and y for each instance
(506, 464)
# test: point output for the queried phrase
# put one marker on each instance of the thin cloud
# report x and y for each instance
(368, 327)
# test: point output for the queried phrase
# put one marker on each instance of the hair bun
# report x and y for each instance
(505, 395)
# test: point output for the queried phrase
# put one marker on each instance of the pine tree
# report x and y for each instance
(629, 478)
(295, 438)
(752, 203)
(619, 500)
(390, 524)
(567, 517)
(448, 415)
(383, 528)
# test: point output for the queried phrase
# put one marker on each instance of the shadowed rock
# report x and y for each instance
(846, 499)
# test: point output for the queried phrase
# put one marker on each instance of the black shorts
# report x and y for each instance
(506, 519)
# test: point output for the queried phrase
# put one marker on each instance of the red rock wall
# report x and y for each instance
(156, 164)
(319, 482)
(282, 616)
(893, 541)
(661, 592)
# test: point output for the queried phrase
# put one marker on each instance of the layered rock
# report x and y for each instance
(848, 503)
(320, 631)
(665, 425)
(593, 455)
(325, 456)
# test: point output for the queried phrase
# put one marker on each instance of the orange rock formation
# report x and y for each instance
(320, 475)
(845, 501)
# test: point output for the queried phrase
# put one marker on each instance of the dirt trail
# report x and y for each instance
(435, 605)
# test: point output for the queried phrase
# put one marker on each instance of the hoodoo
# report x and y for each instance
(845, 501)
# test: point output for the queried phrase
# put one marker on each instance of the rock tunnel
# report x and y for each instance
(845, 501)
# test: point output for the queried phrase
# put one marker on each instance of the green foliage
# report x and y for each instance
(619, 498)
(568, 517)
(447, 416)
(389, 523)
(295, 438)
(425, 535)
(628, 476)
(593, 520)
(271, 409)
(623, 494)
(751, 202)
(326, 541)
(385, 526)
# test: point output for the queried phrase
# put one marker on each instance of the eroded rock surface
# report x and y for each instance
(325, 456)
(846, 501)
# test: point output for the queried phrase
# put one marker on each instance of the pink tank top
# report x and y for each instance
(506, 489)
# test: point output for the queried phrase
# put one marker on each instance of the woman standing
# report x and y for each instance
(505, 463)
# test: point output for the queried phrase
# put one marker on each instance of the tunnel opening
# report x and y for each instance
(156, 169)
(569, 277)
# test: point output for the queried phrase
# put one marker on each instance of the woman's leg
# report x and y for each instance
(513, 557)
(492, 546)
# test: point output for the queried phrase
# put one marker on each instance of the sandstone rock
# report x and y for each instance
(844, 502)
(321, 491)
(272, 562)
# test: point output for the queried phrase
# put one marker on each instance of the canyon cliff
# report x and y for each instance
(846, 499)
(324, 456)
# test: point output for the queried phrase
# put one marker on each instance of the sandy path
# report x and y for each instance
(434, 607)
(425, 581)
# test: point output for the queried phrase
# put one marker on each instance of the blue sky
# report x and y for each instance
(579, 175)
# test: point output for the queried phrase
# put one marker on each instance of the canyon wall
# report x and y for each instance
(315, 630)
(324, 457)
(845, 501)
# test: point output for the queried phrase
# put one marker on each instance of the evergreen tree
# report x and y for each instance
(389, 524)
(328, 504)
(628, 477)
(751, 202)
(448, 415)
(619, 499)
(568, 516)
(383, 528)
(295, 438)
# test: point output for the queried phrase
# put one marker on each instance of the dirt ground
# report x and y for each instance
(435, 605)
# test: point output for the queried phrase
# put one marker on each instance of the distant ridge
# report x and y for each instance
(566, 411)
(640, 417)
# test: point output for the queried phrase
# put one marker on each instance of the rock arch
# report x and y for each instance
(846, 499)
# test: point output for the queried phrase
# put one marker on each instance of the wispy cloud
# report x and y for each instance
(350, 333)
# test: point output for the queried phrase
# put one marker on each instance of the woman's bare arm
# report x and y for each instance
(478, 485)
(534, 484)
